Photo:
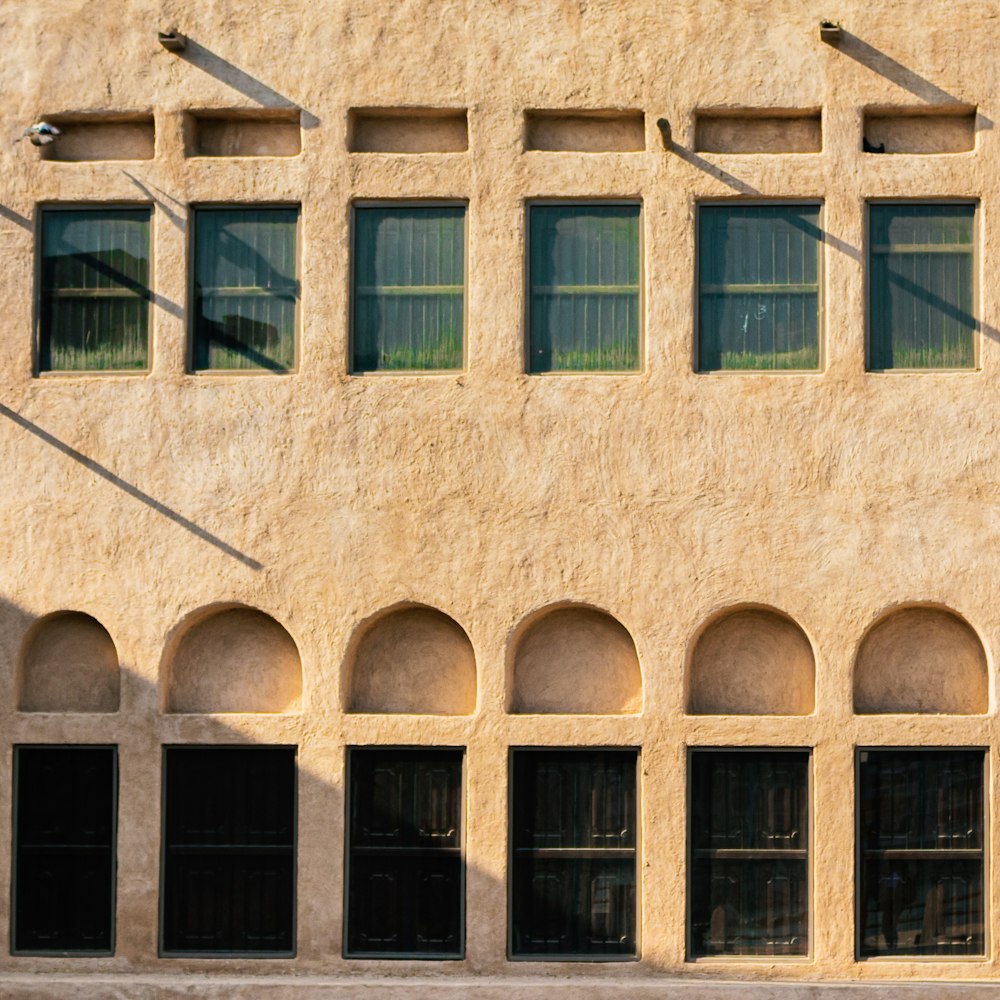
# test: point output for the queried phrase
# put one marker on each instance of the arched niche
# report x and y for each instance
(68, 663)
(413, 660)
(576, 660)
(752, 661)
(234, 660)
(921, 660)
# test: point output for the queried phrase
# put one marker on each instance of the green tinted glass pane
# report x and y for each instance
(758, 287)
(584, 288)
(246, 289)
(409, 288)
(94, 309)
(920, 290)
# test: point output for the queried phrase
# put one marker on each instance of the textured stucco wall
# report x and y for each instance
(661, 498)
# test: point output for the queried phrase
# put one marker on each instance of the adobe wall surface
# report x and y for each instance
(663, 498)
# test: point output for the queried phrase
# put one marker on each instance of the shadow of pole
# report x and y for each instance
(713, 170)
(132, 491)
(879, 62)
(230, 74)
(174, 217)
(21, 220)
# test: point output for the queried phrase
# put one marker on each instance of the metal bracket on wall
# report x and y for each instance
(664, 126)
(830, 32)
(172, 40)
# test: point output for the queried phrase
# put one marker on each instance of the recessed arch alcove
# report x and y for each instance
(575, 660)
(68, 663)
(921, 659)
(232, 659)
(411, 659)
(752, 661)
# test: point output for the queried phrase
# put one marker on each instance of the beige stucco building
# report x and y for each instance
(671, 557)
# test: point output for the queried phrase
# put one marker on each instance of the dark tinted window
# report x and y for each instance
(94, 303)
(409, 288)
(229, 849)
(405, 868)
(584, 288)
(246, 288)
(921, 286)
(64, 849)
(749, 852)
(573, 839)
(758, 287)
(921, 826)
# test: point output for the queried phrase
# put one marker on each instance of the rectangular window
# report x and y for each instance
(246, 289)
(921, 286)
(94, 296)
(921, 835)
(409, 288)
(749, 860)
(228, 876)
(758, 287)
(584, 288)
(65, 806)
(574, 853)
(406, 874)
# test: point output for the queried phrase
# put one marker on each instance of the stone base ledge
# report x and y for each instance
(43, 986)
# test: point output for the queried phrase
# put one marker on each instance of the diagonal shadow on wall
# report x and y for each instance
(126, 487)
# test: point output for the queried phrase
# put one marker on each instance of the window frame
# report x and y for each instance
(859, 855)
(690, 955)
(346, 952)
(388, 203)
(636, 954)
(15, 845)
(975, 249)
(161, 950)
(190, 352)
(50, 208)
(821, 334)
(636, 201)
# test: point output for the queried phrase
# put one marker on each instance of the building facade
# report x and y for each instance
(500, 499)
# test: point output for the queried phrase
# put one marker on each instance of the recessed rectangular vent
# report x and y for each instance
(576, 131)
(243, 133)
(104, 137)
(920, 130)
(408, 130)
(754, 130)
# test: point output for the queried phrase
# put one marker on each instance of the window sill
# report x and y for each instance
(411, 373)
(730, 372)
(92, 373)
(765, 960)
(240, 373)
(575, 373)
(215, 955)
(923, 371)
(573, 959)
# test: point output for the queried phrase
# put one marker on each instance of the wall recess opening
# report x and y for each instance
(575, 660)
(921, 130)
(411, 660)
(758, 130)
(101, 137)
(752, 661)
(243, 133)
(585, 131)
(921, 660)
(407, 130)
(68, 663)
(236, 659)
